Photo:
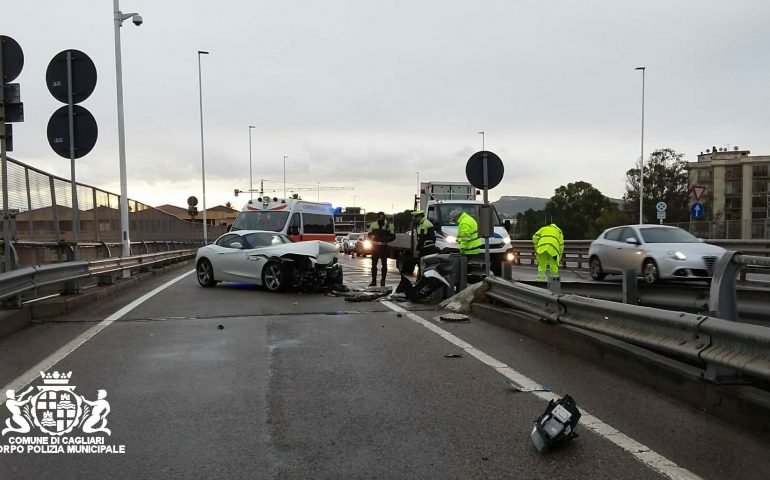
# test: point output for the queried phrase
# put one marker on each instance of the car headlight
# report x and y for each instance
(677, 255)
(507, 240)
(450, 239)
(367, 244)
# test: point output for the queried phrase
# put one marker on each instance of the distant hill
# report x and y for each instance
(509, 206)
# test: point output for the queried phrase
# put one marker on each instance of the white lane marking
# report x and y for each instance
(27, 377)
(641, 452)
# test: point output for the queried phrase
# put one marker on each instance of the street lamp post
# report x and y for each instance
(118, 18)
(251, 181)
(284, 175)
(641, 166)
(203, 157)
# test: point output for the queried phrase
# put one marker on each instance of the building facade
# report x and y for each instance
(735, 196)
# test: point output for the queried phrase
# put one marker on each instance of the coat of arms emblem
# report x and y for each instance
(55, 408)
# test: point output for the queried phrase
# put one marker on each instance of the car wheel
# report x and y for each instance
(274, 276)
(205, 273)
(650, 271)
(595, 267)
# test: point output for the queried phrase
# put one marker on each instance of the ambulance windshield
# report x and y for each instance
(261, 220)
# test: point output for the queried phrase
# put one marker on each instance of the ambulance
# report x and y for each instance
(298, 219)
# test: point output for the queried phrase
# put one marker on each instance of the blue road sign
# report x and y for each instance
(697, 210)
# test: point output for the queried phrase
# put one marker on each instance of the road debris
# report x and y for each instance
(461, 302)
(454, 318)
(220, 327)
(453, 355)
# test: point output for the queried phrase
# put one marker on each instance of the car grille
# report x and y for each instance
(710, 261)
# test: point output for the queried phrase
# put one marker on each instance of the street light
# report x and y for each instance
(641, 167)
(118, 18)
(251, 181)
(203, 158)
(284, 175)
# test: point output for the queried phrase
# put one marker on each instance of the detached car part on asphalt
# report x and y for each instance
(269, 259)
(654, 252)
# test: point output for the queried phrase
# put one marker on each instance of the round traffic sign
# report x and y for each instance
(86, 131)
(13, 58)
(697, 210)
(474, 169)
(192, 201)
(661, 206)
(83, 76)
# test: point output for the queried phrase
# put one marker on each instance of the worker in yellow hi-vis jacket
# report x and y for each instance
(549, 247)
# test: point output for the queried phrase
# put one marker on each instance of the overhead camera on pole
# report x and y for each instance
(118, 18)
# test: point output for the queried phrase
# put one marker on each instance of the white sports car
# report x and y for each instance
(270, 259)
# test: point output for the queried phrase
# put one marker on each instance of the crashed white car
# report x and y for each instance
(269, 259)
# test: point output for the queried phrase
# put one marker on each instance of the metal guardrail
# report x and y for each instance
(33, 253)
(576, 251)
(14, 284)
(726, 348)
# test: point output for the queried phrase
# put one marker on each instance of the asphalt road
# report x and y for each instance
(298, 386)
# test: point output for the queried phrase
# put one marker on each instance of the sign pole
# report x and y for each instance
(75, 208)
(483, 211)
(6, 223)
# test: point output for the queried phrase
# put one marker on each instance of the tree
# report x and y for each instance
(665, 179)
(575, 208)
(528, 222)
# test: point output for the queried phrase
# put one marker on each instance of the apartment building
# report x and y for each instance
(736, 192)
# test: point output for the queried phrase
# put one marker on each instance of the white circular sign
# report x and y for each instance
(661, 206)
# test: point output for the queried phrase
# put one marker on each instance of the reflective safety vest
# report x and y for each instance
(468, 235)
(381, 235)
(550, 240)
(426, 237)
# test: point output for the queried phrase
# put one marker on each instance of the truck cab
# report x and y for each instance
(446, 230)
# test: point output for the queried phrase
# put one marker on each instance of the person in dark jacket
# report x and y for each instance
(426, 235)
(381, 232)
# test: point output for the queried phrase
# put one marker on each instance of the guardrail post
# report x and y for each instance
(723, 299)
(554, 285)
(507, 270)
(460, 272)
(630, 288)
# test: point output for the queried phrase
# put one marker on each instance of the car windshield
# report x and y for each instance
(471, 209)
(261, 220)
(259, 239)
(667, 235)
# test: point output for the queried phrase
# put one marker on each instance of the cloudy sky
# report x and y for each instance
(364, 93)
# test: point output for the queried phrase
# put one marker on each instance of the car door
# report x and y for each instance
(629, 255)
(294, 230)
(608, 250)
(231, 258)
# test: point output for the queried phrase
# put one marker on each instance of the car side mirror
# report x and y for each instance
(632, 241)
(293, 230)
(236, 245)
(507, 225)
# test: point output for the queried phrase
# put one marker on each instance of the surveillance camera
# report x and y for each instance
(137, 19)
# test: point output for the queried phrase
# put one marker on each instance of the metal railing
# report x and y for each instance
(727, 349)
(28, 282)
(40, 211)
(576, 251)
(724, 348)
